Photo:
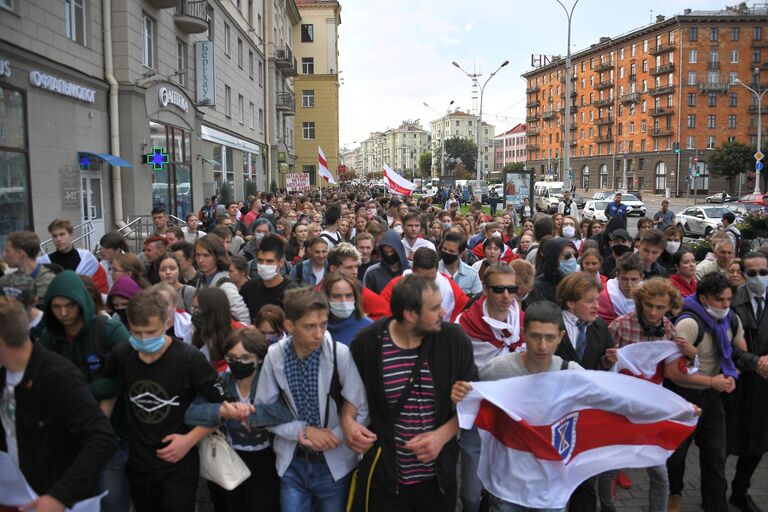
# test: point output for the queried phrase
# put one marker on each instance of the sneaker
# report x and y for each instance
(623, 481)
(675, 503)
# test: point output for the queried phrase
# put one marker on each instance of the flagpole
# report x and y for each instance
(320, 182)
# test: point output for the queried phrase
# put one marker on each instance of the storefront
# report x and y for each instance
(51, 115)
(236, 166)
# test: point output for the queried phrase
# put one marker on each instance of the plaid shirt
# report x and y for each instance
(626, 330)
(302, 378)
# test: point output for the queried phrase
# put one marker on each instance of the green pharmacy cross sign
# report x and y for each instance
(158, 159)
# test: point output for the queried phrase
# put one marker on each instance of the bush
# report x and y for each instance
(754, 225)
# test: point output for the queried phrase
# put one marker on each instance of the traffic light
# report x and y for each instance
(676, 147)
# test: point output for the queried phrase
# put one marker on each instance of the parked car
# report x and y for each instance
(720, 197)
(700, 220)
(580, 201)
(741, 209)
(755, 199)
(595, 210)
(634, 205)
(635, 193)
(601, 196)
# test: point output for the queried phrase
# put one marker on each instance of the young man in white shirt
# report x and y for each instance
(412, 239)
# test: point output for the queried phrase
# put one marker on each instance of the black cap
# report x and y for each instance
(620, 233)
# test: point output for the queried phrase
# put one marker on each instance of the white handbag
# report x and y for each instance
(220, 463)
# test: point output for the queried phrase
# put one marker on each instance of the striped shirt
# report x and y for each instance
(418, 413)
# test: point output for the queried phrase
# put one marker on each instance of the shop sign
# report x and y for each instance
(296, 182)
(174, 98)
(206, 73)
(69, 181)
(60, 86)
(5, 68)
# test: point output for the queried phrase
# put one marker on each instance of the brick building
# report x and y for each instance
(635, 98)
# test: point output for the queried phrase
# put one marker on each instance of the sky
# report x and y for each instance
(395, 55)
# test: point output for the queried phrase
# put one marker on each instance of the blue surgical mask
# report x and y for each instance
(568, 266)
(148, 345)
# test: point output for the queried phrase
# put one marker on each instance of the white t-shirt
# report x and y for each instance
(8, 412)
(333, 238)
(417, 244)
(319, 274)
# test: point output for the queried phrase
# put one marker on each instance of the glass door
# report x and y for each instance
(93, 207)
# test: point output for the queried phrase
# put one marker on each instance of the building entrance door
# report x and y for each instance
(92, 205)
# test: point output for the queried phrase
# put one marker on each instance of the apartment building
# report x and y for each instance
(510, 147)
(399, 148)
(462, 125)
(648, 103)
(316, 44)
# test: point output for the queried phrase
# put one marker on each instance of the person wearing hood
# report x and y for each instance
(117, 300)
(559, 260)
(346, 317)
(260, 228)
(75, 331)
(393, 262)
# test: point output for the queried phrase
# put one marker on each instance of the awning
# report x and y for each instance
(110, 159)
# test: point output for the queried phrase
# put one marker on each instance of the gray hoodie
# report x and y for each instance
(379, 275)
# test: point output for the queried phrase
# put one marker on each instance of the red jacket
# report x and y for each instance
(460, 298)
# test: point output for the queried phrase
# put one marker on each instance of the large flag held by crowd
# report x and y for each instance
(544, 434)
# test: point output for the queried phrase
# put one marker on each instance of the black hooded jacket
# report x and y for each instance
(547, 281)
(379, 275)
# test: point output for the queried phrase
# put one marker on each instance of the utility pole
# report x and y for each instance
(567, 149)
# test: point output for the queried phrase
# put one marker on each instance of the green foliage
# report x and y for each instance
(515, 167)
(425, 163)
(754, 225)
(731, 160)
(700, 248)
(466, 149)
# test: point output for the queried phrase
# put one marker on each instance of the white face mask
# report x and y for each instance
(266, 272)
(717, 313)
(673, 247)
(569, 231)
(398, 229)
(757, 284)
(342, 309)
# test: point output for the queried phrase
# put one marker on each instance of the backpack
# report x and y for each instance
(701, 328)
(742, 246)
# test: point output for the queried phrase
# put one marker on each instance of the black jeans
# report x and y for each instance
(710, 438)
(584, 497)
(745, 468)
(421, 497)
(172, 490)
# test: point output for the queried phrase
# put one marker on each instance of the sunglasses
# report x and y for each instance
(500, 289)
(754, 273)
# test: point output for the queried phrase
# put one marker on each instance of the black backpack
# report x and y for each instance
(742, 246)
(702, 328)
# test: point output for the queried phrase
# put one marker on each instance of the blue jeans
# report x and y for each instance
(309, 487)
(499, 505)
(113, 479)
(471, 487)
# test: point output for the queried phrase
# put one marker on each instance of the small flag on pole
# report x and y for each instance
(396, 183)
(324, 172)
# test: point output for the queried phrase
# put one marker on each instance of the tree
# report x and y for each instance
(731, 160)
(425, 163)
(466, 149)
(349, 174)
(514, 167)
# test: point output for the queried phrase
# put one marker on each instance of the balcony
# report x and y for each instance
(285, 61)
(632, 97)
(603, 66)
(661, 49)
(532, 147)
(573, 95)
(604, 120)
(603, 85)
(532, 104)
(664, 89)
(661, 70)
(548, 114)
(286, 103)
(602, 139)
(573, 143)
(762, 43)
(714, 87)
(658, 112)
(532, 118)
(532, 131)
(713, 66)
(574, 77)
(532, 89)
(633, 77)
(192, 17)
(163, 4)
(603, 103)
(574, 108)
(661, 132)
(753, 109)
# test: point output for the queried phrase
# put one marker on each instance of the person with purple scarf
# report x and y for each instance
(722, 339)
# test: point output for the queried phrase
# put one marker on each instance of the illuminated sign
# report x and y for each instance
(174, 98)
(61, 86)
(5, 68)
(158, 159)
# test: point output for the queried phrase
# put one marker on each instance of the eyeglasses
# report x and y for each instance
(243, 360)
(754, 273)
(512, 290)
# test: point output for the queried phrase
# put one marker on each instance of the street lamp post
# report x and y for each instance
(567, 149)
(442, 136)
(759, 95)
(480, 114)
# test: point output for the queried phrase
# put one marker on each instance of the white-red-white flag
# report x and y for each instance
(646, 360)
(543, 434)
(323, 166)
(396, 183)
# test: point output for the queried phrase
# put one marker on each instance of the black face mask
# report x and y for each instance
(447, 258)
(241, 370)
(620, 250)
(390, 259)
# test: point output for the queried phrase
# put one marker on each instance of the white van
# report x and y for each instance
(547, 195)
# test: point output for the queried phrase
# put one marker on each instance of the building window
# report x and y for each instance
(632, 50)
(711, 100)
(239, 53)
(732, 121)
(261, 120)
(691, 78)
(645, 45)
(227, 101)
(693, 34)
(691, 99)
(6, 4)
(14, 180)
(691, 121)
(75, 19)
(148, 56)
(226, 40)
(240, 108)
(735, 34)
(732, 99)
(712, 121)
(308, 130)
(172, 185)
(732, 77)
(711, 142)
(757, 35)
(690, 142)
(250, 64)
(713, 34)
(209, 13)
(308, 65)
(251, 115)
(734, 56)
(181, 62)
(692, 56)
(261, 73)
(307, 33)
(308, 98)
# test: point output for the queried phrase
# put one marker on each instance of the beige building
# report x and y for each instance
(400, 148)
(317, 85)
(462, 125)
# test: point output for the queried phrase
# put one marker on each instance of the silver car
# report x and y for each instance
(700, 220)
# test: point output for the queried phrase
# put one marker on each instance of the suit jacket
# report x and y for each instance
(598, 341)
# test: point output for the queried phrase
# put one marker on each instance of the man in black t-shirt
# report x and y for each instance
(270, 287)
(161, 377)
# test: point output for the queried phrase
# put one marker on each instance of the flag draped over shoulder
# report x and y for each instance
(544, 434)
(396, 183)
(646, 359)
(323, 166)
